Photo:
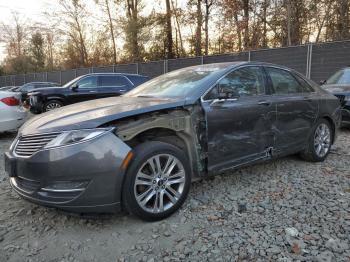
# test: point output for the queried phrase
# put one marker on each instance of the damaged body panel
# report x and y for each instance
(162, 135)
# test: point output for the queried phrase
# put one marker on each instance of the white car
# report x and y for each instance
(12, 114)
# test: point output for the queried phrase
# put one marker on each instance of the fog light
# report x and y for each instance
(66, 186)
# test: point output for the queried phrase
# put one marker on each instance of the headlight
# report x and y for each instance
(76, 136)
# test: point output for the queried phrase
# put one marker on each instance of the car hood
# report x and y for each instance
(337, 88)
(46, 89)
(95, 113)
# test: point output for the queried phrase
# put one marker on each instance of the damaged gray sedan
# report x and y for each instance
(140, 152)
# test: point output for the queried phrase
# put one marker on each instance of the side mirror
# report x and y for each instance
(227, 95)
(75, 87)
(322, 82)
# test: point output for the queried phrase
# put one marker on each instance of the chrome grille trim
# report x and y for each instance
(28, 145)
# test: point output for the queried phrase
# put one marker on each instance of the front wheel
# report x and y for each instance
(320, 142)
(52, 104)
(157, 181)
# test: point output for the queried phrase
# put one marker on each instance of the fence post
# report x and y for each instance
(60, 77)
(202, 60)
(249, 56)
(165, 67)
(310, 61)
(113, 68)
(24, 77)
(137, 68)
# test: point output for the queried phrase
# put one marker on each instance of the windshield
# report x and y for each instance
(340, 77)
(179, 83)
(72, 81)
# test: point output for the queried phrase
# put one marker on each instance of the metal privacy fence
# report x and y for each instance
(316, 61)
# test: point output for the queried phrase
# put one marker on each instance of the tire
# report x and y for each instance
(51, 105)
(311, 153)
(34, 111)
(142, 198)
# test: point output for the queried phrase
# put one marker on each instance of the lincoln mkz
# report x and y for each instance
(139, 152)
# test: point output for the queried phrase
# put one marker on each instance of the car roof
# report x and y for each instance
(40, 83)
(110, 73)
(231, 65)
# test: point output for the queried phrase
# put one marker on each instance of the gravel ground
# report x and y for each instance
(285, 210)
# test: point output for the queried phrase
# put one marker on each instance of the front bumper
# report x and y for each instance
(96, 163)
(35, 103)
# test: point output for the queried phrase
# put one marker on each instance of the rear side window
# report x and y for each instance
(283, 82)
(113, 81)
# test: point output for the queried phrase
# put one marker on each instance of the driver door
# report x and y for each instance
(86, 89)
(239, 116)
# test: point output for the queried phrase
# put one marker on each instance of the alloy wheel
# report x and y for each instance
(322, 140)
(159, 183)
(52, 106)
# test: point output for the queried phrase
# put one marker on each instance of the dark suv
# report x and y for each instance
(83, 88)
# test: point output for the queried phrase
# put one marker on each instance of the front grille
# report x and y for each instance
(28, 145)
(341, 99)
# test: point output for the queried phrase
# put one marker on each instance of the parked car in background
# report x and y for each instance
(8, 88)
(34, 85)
(28, 87)
(140, 151)
(12, 114)
(83, 88)
(339, 85)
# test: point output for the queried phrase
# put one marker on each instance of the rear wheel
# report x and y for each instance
(157, 181)
(52, 104)
(320, 142)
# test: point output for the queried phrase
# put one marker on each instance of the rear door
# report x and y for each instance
(296, 108)
(113, 85)
(239, 129)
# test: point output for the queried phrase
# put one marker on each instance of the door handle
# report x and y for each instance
(92, 91)
(264, 103)
(308, 99)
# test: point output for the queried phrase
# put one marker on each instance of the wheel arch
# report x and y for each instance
(167, 135)
(50, 98)
(332, 123)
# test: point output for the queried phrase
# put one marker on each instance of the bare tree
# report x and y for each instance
(73, 14)
(246, 23)
(199, 18)
(106, 7)
(169, 30)
(13, 35)
(208, 5)
(178, 29)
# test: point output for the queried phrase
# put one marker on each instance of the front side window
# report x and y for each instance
(113, 81)
(340, 77)
(283, 82)
(248, 81)
(88, 82)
